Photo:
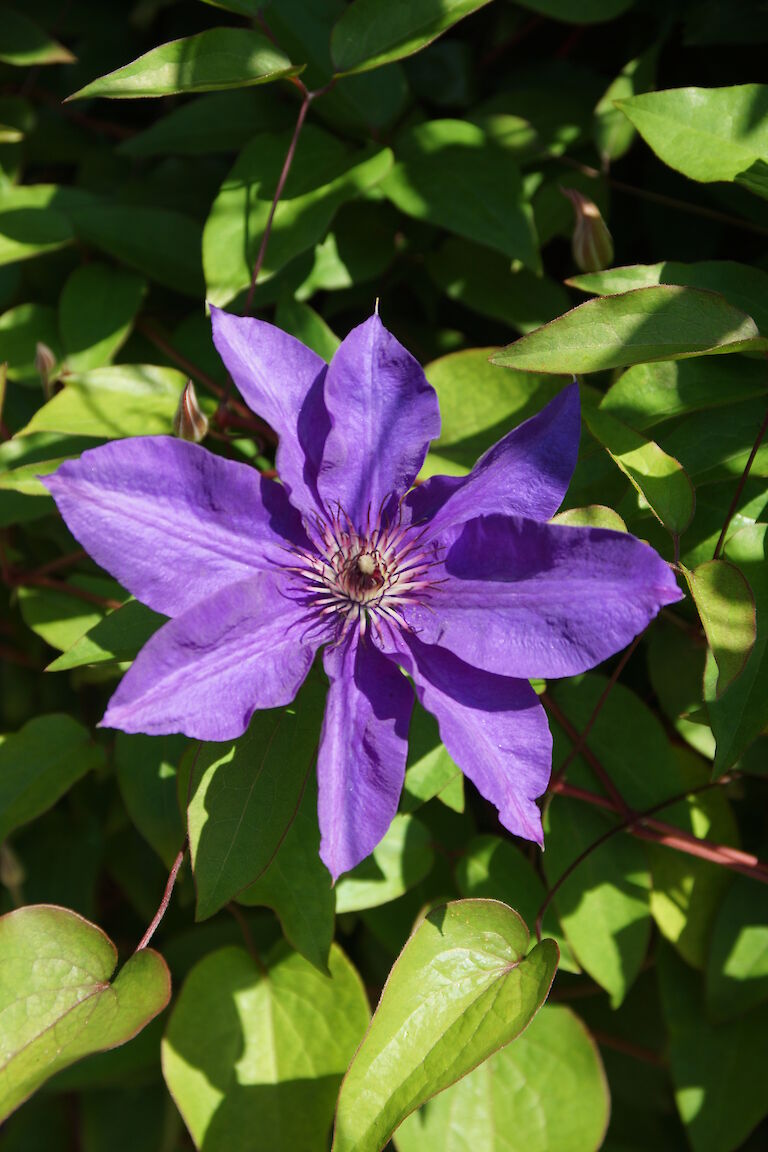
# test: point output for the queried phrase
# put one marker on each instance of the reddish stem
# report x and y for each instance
(156, 919)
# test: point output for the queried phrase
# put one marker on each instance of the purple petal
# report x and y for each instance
(171, 521)
(527, 473)
(207, 671)
(282, 381)
(525, 599)
(383, 415)
(493, 727)
(363, 749)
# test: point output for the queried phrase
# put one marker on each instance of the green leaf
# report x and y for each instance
(60, 618)
(479, 404)
(743, 286)
(116, 638)
(56, 1002)
(25, 44)
(737, 965)
(306, 325)
(161, 244)
(495, 869)
(255, 1051)
(592, 516)
(296, 885)
(375, 32)
(755, 178)
(323, 176)
(604, 905)
(741, 713)
(21, 328)
(146, 775)
(399, 861)
(649, 393)
(96, 312)
(676, 661)
(27, 230)
(430, 770)
(686, 891)
(659, 323)
(484, 281)
(245, 795)
(705, 133)
(119, 400)
(718, 1095)
(588, 12)
(659, 478)
(612, 133)
(726, 606)
(546, 1091)
(452, 174)
(461, 988)
(38, 764)
(216, 122)
(217, 58)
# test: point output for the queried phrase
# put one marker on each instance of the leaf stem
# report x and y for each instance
(660, 198)
(156, 919)
(641, 825)
(740, 487)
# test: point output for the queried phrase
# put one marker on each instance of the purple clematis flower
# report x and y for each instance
(460, 581)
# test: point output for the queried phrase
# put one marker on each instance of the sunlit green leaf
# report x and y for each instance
(660, 323)
(111, 402)
(96, 312)
(323, 176)
(611, 131)
(659, 478)
(259, 1047)
(705, 133)
(216, 58)
(375, 32)
(726, 606)
(462, 988)
(452, 174)
(56, 1002)
(397, 863)
(116, 638)
(545, 1091)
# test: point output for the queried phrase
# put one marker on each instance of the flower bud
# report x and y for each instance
(592, 243)
(45, 362)
(190, 422)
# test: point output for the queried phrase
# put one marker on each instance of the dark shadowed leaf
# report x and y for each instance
(116, 638)
(737, 968)
(38, 764)
(726, 607)
(96, 312)
(146, 774)
(399, 861)
(297, 886)
(245, 795)
(24, 43)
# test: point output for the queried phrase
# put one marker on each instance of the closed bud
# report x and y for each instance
(592, 243)
(45, 362)
(190, 422)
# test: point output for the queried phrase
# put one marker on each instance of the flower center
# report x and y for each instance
(365, 577)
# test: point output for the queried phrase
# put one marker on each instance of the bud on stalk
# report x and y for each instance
(190, 422)
(45, 362)
(592, 243)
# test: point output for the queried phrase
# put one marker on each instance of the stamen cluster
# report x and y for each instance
(363, 577)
